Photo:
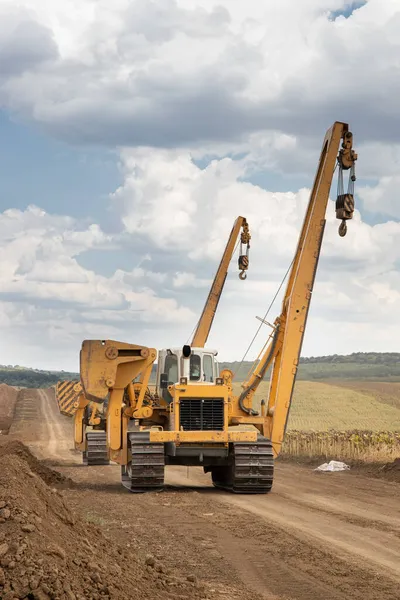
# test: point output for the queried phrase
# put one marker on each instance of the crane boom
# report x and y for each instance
(207, 316)
(283, 351)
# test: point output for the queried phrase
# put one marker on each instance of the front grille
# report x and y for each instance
(202, 414)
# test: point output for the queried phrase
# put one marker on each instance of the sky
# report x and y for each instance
(133, 133)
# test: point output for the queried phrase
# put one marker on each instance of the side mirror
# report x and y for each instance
(163, 381)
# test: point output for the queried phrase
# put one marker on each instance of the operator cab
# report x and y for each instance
(197, 365)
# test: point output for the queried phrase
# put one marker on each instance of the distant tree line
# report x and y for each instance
(32, 378)
(360, 358)
(358, 366)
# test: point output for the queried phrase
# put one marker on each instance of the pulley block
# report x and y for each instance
(243, 265)
(344, 211)
(345, 206)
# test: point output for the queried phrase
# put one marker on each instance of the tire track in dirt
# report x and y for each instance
(59, 435)
(329, 534)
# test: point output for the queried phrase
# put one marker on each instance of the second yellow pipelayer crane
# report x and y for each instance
(203, 328)
(191, 417)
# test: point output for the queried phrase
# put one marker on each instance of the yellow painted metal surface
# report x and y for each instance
(107, 368)
(114, 421)
(79, 434)
(198, 390)
(109, 364)
(299, 291)
(247, 420)
(67, 393)
(202, 437)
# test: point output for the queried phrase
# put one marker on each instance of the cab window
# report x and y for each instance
(171, 369)
(208, 368)
(195, 367)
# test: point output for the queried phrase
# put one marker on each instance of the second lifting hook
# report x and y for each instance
(242, 275)
(342, 228)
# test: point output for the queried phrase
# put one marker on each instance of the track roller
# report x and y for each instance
(250, 469)
(96, 452)
(145, 472)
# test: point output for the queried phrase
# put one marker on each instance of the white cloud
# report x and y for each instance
(176, 204)
(383, 197)
(154, 187)
(49, 302)
(188, 280)
(138, 273)
(25, 43)
(170, 73)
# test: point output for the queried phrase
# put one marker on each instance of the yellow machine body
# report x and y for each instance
(193, 417)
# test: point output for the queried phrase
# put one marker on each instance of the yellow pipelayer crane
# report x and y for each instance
(92, 442)
(191, 418)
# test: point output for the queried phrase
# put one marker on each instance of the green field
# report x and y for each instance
(342, 406)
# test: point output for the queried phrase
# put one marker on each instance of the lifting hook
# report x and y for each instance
(342, 228)
(244, 258)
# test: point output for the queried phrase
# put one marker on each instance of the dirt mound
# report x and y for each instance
(8, 399)
(46, 553)
(388, 471)
(392, 469)
(16, 448)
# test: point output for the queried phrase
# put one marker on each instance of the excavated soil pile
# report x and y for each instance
(392, 470)
(8, 399)
(46, 553)
(15, 447)
(388, 471)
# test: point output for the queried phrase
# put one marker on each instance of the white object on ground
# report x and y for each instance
(333, 466)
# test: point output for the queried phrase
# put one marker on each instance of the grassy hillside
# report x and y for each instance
(32, 378)
(321, 407)
(384, 392)
(359, 366)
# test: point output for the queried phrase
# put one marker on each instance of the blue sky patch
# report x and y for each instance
(61, 179)
(347, 11)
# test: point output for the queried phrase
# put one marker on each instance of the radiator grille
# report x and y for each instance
(202, 414)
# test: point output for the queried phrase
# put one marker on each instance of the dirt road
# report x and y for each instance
(329, 536)
(38, 423)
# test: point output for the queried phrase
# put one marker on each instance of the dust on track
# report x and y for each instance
(322, 536)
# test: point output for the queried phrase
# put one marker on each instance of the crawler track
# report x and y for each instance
(146, 470)
(251, 469)
(96, 453)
